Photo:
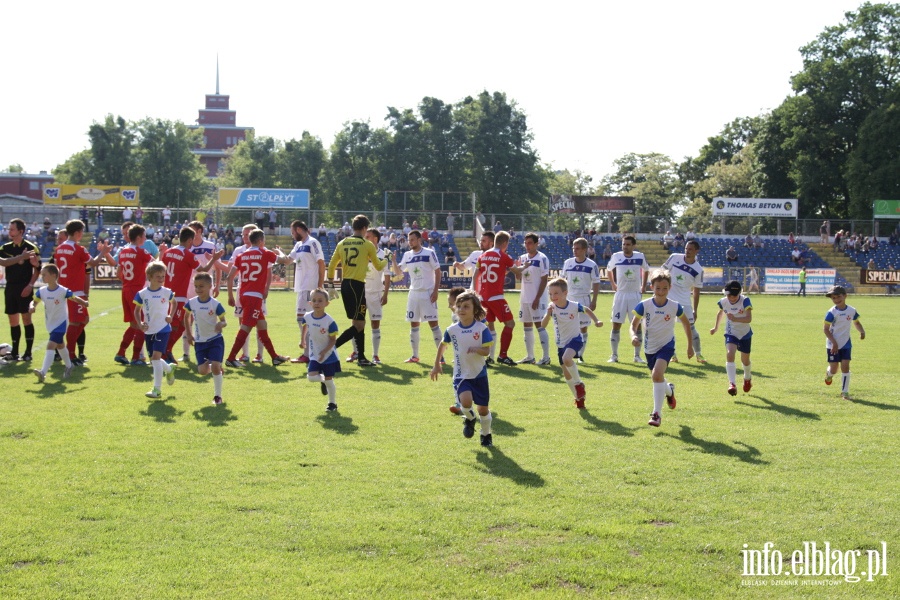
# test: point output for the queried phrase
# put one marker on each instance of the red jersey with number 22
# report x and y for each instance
(492, 266)
(253, 267)
(180, 264)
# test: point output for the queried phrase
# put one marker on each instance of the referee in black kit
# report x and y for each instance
(21, 259)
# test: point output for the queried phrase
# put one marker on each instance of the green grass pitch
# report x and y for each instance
(106, 494)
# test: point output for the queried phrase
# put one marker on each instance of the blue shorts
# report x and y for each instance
(481, 391)
(743, 345)
(58, 335)
(327, 369)
(211, 350)
(839, 356)
(665, 353)
(157, 342)
(576, 344)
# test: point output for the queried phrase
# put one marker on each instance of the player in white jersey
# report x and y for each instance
(627, 271)
(424, 270)
(471, 340)
(309, 275)
(56, 317)
(566, 315)
(203, 250)
(687, 280)
(738, 312)
(471, 262)
(583, 278)
(658, 315)
(208, 316)
(154, 309)
(323, 358)
(534, 299)
(838, 321)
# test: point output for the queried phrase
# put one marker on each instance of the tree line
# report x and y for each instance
(833, 143)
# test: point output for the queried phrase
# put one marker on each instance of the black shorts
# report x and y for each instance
(353, 293)
(15, 303)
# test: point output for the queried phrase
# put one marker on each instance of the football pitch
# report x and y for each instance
(786, 491)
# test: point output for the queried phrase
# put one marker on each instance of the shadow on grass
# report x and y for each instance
(498, 464)
(610, 427)
(781, 408)
(636, 371)
(215, 416)
(746, 453)
(874, 404)
(54, 389)
(385, 372)
(338, 423)
(505, 428)
(161, 412)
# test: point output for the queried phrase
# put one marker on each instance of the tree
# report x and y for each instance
(873, 171)
(352, 177)
(501, 167)
(653, 182)
(16, 168)
(300, 162)
(849, 71)
(721, 148)
(112, 159)
(170, 174)
(251, 164)
(76, 170)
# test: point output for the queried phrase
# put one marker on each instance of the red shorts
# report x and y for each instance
(128, 305)
(178, 319)
(251, 310)
(78, 314)
(497, 310)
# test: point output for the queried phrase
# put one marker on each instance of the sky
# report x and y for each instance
(596, 80)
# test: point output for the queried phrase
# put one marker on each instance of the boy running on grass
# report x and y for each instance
(472, 342)
(838, 321)
(154, 310)
(738, 314)
(322, 338)
(566, 317)
(658, 316)
(56, 317)
(208, 318)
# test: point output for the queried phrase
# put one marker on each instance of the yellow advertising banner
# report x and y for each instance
(91, 195)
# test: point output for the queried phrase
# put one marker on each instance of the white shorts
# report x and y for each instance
(530, 315)
(303, 305)
(419, 307)
(688, 310)
(585, 301)
(623, 306)
(373, 306)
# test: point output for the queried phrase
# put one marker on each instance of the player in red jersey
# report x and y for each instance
(72, 260)
(492, 267)
(132, 261)
(254, 267)
(181, 263)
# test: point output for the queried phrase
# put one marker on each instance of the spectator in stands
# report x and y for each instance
(99, 218)
(322, 231)
(795, 255)
(679, 241)
(166, 215)
(139, 215)
(894, 239)
(542, 243)
(273, 220)
(260, 217)
(731, 254)
(406, 227)
(498, 227)
(791, 239)
(607, 252)
(823, 233)
(689, 235)
(83, 214)
(748, 241)
(890, 288)
(127, 214)
(838, 237)
(871, 264)
(865, 246)
(450, 222)
(757, 241)
(348, 231)
(668, 240)
(450, 256)
(873, 245)
(434, 238)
